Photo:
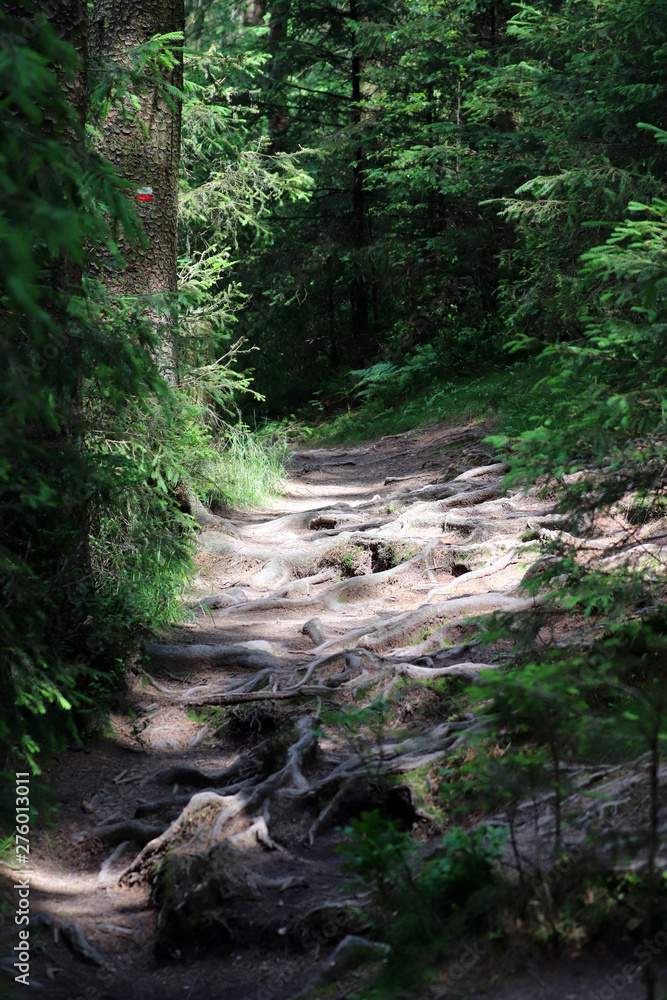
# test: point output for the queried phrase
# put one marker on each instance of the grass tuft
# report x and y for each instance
(249, 467)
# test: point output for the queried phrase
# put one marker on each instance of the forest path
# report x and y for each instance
(360, 582)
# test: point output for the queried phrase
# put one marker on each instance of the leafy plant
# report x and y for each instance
(422, 905)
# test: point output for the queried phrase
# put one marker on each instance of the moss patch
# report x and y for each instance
(386, 555)
(349, 560)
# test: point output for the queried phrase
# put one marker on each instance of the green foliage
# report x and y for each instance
(607, 387)
(340, 292)
(58, 198)
(377, 853)
(509, 397)
(491, 146)
(53, 193)
(423, 906)
(94, 444)
(602, 443)
(120, 86)
(542, 720)
(231, 183)
(543, 704)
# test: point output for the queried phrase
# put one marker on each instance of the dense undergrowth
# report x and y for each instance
(511, 399)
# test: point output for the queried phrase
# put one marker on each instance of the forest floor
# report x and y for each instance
(364, 580)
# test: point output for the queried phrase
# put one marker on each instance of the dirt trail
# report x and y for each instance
(367, 572)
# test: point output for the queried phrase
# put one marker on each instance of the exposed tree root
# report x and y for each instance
(206, 818)
(280, 685)
(314, 629)
(127, 829)
(258, 675)
(439, 547)
(411, 625)
(201, 657)
(199, 804)
(352, 952)
(192, 777)
(597, 794)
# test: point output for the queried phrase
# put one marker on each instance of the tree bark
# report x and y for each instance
(144, 147)
(331, 312)
(253, 15)
(279, 13)
(69, 20)
(358, 289)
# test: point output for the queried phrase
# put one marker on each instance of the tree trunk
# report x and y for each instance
(69, 20)
(358, 290)
(279, 11)
(253, 15)
(331, 312)
(144, 146)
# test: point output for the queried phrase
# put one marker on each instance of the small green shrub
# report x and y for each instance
(421, 905)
